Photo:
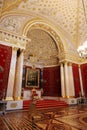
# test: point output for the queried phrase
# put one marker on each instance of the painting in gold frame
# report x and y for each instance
(32, 78)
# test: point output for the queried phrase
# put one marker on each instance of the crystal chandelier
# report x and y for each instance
(82, 50)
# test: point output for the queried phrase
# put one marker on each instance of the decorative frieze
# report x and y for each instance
(70, 56)
(15, 40)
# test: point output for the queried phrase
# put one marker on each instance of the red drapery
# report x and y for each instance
(84, 77)
(51, 81)
(5, 59)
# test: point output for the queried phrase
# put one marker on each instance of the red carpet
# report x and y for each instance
(44, 103)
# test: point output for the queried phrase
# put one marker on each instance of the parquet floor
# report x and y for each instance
(60, 118)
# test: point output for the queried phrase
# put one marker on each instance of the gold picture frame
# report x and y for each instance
(32, 78)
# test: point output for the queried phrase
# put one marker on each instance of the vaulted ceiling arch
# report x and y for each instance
(65, 49)
(48, 28)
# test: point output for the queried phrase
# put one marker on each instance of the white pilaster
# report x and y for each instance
(71, 82)
(62, 81)
(80, 76)
(66, 78)
(9, 94)
(18, 76)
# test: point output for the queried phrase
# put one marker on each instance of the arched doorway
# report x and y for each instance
(43, 50)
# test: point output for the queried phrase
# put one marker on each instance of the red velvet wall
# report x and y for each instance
(76, 79)
(51, 81)
(84, 77)
(5, 59)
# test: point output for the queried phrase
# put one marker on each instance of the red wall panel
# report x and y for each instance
(84, 77)
(51, 81)
(76, 79)
(5, 59)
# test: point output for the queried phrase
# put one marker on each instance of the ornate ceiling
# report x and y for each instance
(45, 49)
(66, 17)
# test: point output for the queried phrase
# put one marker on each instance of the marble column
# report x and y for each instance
(62, 81)
(18, 76)
(9, 94)
(71, 82)
(66, 71)
(81, 84)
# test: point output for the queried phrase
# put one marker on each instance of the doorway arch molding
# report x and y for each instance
(51, 30)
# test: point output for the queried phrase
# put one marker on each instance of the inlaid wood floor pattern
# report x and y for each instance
(60, 118)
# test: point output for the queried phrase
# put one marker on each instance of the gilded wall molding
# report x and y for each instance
(44, 26)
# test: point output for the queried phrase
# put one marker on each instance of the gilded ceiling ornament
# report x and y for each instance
(51, 32)
(12, 23)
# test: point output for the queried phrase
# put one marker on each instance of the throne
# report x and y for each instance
(34, 94)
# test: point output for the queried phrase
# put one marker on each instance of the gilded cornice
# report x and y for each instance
(14, 40)
(71, 57)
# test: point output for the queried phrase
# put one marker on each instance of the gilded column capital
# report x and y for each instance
(22, 50)
(70, 64)
(79, 65)
(61, 63)
(14, 48)
(65, 62)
